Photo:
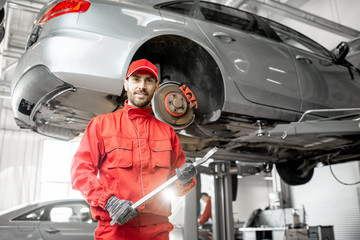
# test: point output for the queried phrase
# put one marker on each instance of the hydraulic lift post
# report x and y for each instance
(222, 212)
(221, 203)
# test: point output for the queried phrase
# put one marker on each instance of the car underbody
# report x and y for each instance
(63, 111)
(239, 138)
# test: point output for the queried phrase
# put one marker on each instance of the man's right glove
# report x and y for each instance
(120, 210)
(186, 173)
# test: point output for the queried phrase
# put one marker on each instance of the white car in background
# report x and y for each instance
(59, 219)
(67, 219)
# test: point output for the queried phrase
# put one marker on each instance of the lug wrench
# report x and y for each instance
(167, 183)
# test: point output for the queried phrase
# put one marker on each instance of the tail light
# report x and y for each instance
(64, 7)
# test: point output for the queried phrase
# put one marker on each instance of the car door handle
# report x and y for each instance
(52, 230)
(224, 37)
(303, 59)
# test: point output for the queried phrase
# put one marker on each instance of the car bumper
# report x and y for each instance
(35, 86)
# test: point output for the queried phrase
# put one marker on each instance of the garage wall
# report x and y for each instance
(328, 202)
(20, 160)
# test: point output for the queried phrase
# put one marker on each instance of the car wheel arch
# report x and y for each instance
(185, 61)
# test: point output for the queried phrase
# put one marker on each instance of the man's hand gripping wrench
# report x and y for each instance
(167, 183)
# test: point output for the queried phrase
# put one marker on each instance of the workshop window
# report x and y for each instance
(55, 170)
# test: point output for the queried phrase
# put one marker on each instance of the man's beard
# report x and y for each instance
(140, 103)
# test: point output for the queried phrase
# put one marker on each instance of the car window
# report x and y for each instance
(34, 215)
(76, 212)
(296, 39)
(67, 212)
(183, 8)
(231, 17)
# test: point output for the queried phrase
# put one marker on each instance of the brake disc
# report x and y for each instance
(170, 105)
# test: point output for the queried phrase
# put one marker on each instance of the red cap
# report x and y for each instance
(144, 65)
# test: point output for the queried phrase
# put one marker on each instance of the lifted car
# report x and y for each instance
(227, 78)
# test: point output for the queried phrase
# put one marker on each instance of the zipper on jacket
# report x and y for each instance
(141, 175)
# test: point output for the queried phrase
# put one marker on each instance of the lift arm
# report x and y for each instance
(320, 127)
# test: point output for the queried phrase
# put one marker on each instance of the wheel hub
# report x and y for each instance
(175, 104)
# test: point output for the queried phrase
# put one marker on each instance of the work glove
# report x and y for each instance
(120, 210)
(186, 173)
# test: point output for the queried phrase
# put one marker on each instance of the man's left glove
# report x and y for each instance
(120, 210)
(186, 173)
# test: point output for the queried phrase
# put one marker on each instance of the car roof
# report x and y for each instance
(34, 205)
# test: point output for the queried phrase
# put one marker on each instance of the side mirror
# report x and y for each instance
(341, 51)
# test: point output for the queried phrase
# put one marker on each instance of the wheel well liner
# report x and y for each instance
(185, 61)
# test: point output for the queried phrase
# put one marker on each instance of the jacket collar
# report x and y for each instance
(134, 112)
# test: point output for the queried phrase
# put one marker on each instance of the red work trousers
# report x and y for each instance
(121, 232)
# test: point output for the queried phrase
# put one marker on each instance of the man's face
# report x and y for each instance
(140, 88)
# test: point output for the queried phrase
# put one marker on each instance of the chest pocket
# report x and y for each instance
(161, 153)
(119, 152)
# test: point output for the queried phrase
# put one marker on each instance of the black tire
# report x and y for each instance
(290, 174)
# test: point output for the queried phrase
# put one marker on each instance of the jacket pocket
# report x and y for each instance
(161, 153)
(119, 152)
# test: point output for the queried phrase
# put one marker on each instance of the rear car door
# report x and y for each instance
(324, 84)
(262, 68)
(68, 221)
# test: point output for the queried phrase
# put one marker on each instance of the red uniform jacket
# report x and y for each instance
(128, 153)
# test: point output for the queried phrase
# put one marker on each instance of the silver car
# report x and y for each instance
(51, 220)
(228, 78)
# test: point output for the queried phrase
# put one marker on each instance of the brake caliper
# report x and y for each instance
(189, 96)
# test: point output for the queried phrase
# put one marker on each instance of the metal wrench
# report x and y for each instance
(167, 183)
